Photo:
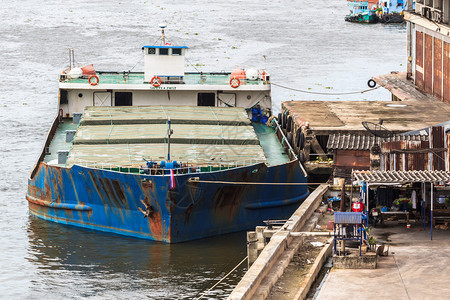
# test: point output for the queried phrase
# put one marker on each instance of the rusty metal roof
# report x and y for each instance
(401, 176)
(365, 142)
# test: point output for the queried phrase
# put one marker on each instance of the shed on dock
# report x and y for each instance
(318, 120)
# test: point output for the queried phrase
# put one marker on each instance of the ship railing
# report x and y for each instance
(185, 169)
(285, 142)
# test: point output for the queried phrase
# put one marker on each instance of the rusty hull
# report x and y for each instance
(144, 206)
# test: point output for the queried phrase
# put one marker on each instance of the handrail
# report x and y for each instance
(291, 150)
(190, 168)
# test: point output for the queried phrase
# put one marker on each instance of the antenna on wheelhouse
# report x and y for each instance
(163, 37)
(71, 58)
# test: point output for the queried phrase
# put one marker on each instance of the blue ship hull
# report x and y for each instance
(144, 206)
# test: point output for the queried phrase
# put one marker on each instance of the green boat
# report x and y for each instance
(360, 12)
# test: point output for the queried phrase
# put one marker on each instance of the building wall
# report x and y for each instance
(432, 63)
(352, 159)
(418, 155)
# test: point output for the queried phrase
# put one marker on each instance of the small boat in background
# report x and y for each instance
(361, 12)
(374, 11)
(391, 11)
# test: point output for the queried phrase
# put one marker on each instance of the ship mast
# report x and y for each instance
(163, 37)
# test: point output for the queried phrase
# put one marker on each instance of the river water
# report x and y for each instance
(308, 46)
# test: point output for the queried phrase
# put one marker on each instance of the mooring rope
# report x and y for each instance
(228, 274)
(322, 93)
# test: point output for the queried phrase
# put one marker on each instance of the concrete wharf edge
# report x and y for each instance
(277, 245)
(314, 271)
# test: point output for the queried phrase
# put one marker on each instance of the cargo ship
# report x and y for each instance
(163, 154)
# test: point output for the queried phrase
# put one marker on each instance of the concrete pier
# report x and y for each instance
(416, 268)
(276, 255)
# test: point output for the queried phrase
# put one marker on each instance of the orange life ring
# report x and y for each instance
(155, 81)
(235, 82)
(93, 82)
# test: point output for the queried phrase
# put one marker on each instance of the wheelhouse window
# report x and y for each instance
(151, 50)
(163, 51)
(176, 51)
(206, 99)
(123, 98)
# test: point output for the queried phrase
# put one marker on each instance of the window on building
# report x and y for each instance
(163, 51)
(123, 98)
(206, 99)
(176, 51)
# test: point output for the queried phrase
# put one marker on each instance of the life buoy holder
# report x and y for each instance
(91, 82)
(371, 83)
(155, 81)
(235, 82)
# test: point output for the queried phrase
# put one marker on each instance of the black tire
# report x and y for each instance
(290, 138)
(297, 137)
(289, 124)
(301, 156)
(371, 83)
(301, 141)
(279, 118)
(283, 121)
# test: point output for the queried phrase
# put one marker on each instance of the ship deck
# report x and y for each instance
(135, 133)
(189, 78)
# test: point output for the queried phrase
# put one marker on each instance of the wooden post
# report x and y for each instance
(252, 250)
(409, 62)
(342, 184)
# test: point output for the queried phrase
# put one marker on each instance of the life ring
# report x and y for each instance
(155, 81)
(371, 83)
(93, 82)
(235, 82)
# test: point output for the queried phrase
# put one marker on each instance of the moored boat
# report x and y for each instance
(361, 12)
(163, 154)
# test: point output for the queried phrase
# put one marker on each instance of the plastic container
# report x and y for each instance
(256, 114)
(264, 119)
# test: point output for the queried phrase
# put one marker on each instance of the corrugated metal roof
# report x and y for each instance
(401, 176)
(365, 142)
(347, 218)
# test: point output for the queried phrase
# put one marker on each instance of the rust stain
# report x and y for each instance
(155, 224)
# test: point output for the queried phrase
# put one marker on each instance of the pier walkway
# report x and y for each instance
(416, 268)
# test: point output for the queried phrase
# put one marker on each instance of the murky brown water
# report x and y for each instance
(307, 44)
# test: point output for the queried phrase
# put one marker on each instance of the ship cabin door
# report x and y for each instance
(206, 99)
(102, 99)
(226, 100)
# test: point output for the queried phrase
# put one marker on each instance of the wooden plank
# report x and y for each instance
(446, 71)
(437, 68)
(419, 59)
(428, 64)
